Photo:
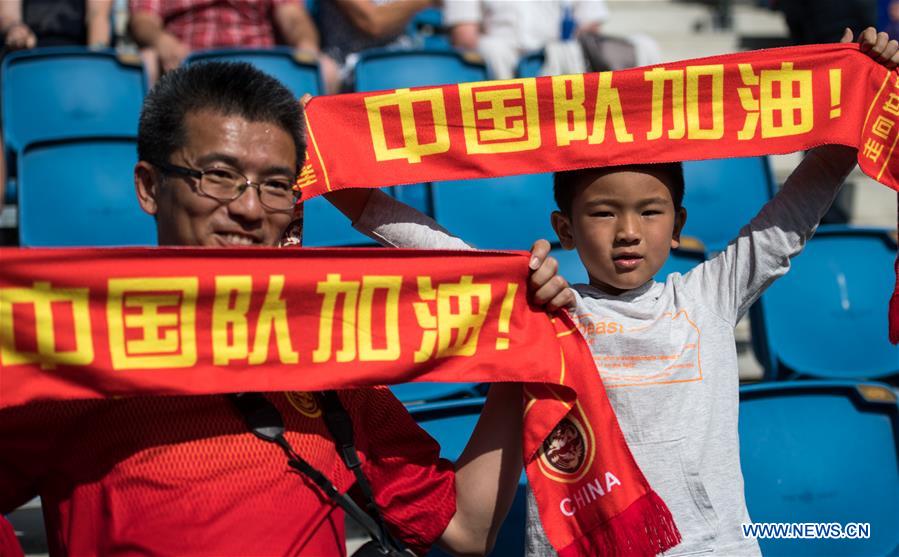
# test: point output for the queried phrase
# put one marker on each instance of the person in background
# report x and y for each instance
(501, 31)
(169, 30)
(350, 26)
(892, 28)
(31, 23)
(823, 21)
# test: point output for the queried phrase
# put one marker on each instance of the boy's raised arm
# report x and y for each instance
(761, 253)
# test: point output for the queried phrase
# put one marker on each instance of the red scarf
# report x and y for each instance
(747, 104)
(88, 323)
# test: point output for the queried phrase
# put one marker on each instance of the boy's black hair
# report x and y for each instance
(565, 183)
(228, 88)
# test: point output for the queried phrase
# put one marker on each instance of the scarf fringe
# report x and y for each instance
(645, 528)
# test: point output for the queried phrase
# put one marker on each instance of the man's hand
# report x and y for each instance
(20, 36)
(171, 51)
(876, 45)
(548, 288)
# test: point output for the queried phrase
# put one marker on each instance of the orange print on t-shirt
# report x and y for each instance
(621, 354)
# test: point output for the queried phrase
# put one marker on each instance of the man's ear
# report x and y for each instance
(562, 226)
(146, 183)
(680, 219)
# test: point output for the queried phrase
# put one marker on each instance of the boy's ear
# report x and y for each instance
(146, 184)
(562, 226)
(680, 219)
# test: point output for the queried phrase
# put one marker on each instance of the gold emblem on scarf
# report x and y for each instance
(568, 453)
(305, 403)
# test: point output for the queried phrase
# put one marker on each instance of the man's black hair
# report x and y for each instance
(228, 88)
(565, 183)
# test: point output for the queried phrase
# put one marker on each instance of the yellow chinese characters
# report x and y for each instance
(403, 100)
(500, 116)
(448, 331)
(230, 322)
(41, 298)
(784, 102)
(685, 102)
(152, 322)
(571, 113)
(357, 326)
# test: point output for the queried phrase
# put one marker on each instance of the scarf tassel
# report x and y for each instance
(645, 528)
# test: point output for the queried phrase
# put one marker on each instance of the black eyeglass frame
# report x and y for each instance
(198, 176)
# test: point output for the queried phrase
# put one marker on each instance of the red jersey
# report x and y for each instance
(216, 23)
(183, 476)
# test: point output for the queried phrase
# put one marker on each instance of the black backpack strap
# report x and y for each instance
(266, 423)
(339, 423)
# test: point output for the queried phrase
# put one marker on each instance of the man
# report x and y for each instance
(218, 144)
(171, 29)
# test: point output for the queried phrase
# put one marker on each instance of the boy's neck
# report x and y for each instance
(611, 290)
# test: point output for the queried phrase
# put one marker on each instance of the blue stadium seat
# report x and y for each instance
(822, 452)
(62, 93)
(417, 393)
(827, 317)
(469, 209)
(529, 65)
(81, 193)
(69, 92)
(451, 424)
(379, 69)
(682, 260)
(298, 73)
(722, 195)
(324, 225)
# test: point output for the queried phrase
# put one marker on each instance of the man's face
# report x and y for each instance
(186, 217)
(623, 225)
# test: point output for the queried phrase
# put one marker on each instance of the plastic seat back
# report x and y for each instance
(324, 225)
(530, 64)
(419, 393)
(379, 69)
(497, 213)
(81, 193)
(298, 73)
(451, 424)
(722, 195)
(69, 92)
(827, 317)
(822, 452)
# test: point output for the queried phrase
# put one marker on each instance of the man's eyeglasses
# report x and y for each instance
(225, 184)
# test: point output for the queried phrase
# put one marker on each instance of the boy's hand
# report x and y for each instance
(876, 45)
(548, 288)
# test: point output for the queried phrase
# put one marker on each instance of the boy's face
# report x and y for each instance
(623, 225)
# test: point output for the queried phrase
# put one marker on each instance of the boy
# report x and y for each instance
(666, 351)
